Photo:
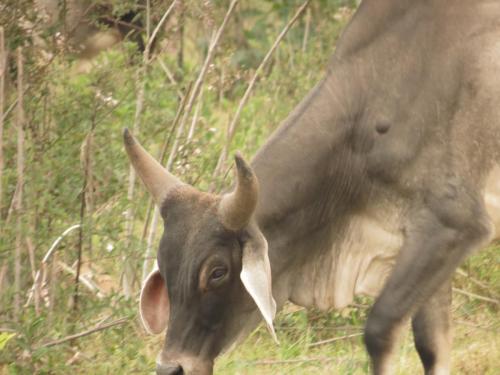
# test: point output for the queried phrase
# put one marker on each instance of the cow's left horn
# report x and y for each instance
(157, 179)
(237, 207)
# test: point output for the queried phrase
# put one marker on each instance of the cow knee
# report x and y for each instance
(379, 332)
(465, 215)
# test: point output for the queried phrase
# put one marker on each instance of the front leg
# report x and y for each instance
(432, 332)
(442, 234)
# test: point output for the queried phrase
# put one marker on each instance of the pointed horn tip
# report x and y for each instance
(128, 138)
(242, 166)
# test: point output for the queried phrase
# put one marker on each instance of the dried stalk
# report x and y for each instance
(328, 341)
(39, 276)
(127, 273)
(267, 362)
(80, 244)
(199, 81)
(147, 263)
(52, 287)
(479, 283)
(89, 284)
(31, 256)
(98, 328)
(86, 161)
(476, 296)
(306, 30)
(151, 38)
(3, 274)
(232, 126)
(180, 52)
(170, 77)
(189, 106)
(128, 277)
(195, 117)
(18, 195)
(3, 63)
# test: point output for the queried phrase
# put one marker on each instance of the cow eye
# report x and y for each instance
(218, 274)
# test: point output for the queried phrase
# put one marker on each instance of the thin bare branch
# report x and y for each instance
(128, 277)
(86, 161)
(170, 77)
(3, 274)
(232, 126)
(306, 30)
(38, 276)
(479, 283)
(3, 63)
(89, 284)
(199, 81)
(267, 362)
(31, 256)
(157, 28)
(98, 328)
(333, 339)
(476, 296)
(180, 130)
(18, 195)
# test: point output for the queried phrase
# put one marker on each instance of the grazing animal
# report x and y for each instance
(375, 184)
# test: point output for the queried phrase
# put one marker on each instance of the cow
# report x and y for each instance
(375, 184)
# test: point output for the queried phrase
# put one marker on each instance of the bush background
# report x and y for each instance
(74, 113)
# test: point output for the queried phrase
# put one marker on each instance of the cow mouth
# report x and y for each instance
(184, 365)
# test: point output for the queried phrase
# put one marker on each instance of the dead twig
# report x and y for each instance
(3, 63)
(306, 30)
(89, 284)
(45, 260)
(232, 126)
(180, 130)
(8, 330)
(3, 273)
(157, 28)
(98, 328)
(333, 339)
(128, 276)
(288, 361)
(170, 77)
(476, 296)
(18, 195)
(479, 283)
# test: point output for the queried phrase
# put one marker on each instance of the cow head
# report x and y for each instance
(213, 268)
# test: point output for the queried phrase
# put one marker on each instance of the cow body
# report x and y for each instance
(375, 184)
(390, 125)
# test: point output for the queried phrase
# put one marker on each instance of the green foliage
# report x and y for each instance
(63, 106)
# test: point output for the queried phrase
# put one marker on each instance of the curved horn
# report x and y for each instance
(157, 179)
(237, 207)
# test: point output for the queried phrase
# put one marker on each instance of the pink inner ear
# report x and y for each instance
(154, 304)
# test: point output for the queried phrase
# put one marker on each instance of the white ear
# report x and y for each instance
(256, 276)
(154, 306)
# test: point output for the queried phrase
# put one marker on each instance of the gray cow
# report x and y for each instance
(375, 184)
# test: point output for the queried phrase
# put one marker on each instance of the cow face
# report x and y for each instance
(212, 271)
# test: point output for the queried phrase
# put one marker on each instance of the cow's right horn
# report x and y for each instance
(157, 179)
(237, 207)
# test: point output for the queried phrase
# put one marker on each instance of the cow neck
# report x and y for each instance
(308, 175)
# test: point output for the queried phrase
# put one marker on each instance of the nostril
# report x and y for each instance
(169, 369)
